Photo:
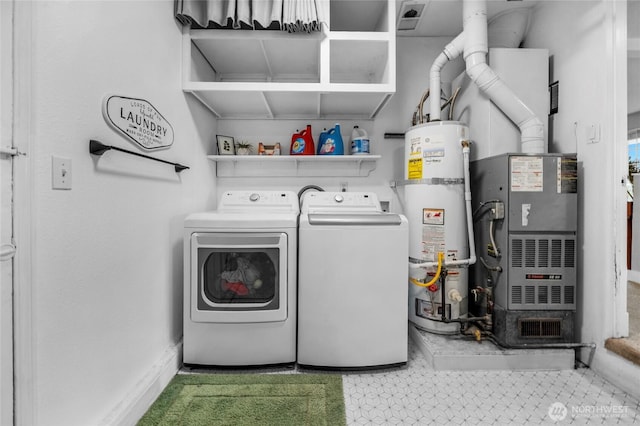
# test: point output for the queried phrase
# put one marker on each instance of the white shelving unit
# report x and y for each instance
(294, 165)
(346, 71)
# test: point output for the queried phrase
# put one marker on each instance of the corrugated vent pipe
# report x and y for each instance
(473, 42)
(475, 56)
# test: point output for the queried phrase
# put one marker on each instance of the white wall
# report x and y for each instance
(633, 121)
(107, 266)
(6, 234)
(414, 58)
(581, 38)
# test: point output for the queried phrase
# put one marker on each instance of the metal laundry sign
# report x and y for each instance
(139, 121)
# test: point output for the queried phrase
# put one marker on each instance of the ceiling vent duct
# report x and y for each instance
(473, 44)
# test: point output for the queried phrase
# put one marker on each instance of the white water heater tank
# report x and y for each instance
(435, 209)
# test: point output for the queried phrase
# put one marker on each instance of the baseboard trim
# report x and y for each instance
(617, 370)
(146, 391)
(633, 276)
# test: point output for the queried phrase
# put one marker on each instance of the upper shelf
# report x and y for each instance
(346, 71)
(294, 165)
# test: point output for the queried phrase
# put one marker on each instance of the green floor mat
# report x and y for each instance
(249, 399)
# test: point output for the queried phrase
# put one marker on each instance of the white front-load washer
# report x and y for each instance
(240, 281)
(352, 282)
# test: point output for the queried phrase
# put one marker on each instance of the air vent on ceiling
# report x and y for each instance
(410, 15)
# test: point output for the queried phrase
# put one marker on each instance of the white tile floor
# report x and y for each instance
(419, 395)
(416, 394)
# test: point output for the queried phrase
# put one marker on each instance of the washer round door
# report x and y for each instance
(238, 277)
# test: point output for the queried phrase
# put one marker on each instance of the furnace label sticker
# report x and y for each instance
(567, 179)
(527, 174)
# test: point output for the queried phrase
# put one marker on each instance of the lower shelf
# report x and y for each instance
(294, 165)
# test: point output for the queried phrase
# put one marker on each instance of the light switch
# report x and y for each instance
(60, 173)
(593, 133)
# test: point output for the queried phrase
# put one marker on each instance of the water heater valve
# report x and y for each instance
(455, 295)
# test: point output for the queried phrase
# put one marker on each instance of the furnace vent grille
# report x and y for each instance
(516, 253)
(569, 294)
(543, 253)
(540, 327)
(542, 273)
(543, 295)
(551, 296)
(570, 253)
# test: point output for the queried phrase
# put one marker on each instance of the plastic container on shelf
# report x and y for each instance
(359, 141)
(321, 139)
(302, 143)
(330, 142)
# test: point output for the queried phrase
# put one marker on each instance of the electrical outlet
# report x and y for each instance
(60, 173)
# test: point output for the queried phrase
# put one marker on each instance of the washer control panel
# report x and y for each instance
(340, 201)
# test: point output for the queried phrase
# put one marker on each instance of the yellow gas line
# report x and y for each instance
(435, 278)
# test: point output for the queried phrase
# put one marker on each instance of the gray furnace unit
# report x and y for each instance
(525, 224)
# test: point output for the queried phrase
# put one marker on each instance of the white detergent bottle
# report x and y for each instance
(359, 141)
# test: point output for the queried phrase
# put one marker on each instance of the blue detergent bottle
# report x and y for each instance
(332, 143)
(321, 139)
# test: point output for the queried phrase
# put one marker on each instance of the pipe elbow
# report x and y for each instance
(530, 126)
(456, 47)
(450, 52)
(438, 64)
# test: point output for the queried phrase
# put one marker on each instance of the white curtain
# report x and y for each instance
(286, 15)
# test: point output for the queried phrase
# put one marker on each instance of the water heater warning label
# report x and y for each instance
(433, 216)
(433, 236)
(415, 168)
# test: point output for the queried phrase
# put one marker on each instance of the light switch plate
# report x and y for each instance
(60, 173)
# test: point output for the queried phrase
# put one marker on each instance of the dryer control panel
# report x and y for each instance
(241, 201)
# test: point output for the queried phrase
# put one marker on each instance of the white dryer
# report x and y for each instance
(240, 281)
(352, 283)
